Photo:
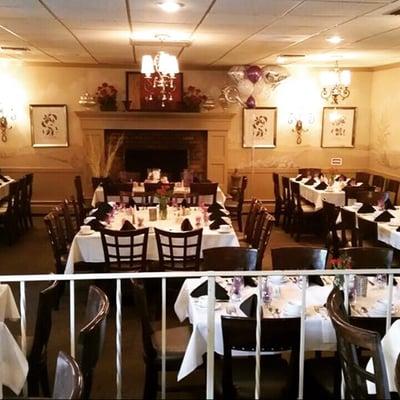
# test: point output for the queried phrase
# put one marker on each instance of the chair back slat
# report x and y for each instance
(368, 257)
(229, 259)
(204, 189)
(289, 258)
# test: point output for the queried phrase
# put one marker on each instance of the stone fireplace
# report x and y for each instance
(212, 127)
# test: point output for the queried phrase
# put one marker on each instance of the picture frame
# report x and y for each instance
(136, 94)
(49, 125)
(259, 127)
(338, 131)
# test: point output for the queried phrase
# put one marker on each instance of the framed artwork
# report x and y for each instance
(49, 125)
(259, 127)
(338, 127)
(137, 94)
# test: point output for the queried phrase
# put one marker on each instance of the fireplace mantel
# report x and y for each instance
(94, 123)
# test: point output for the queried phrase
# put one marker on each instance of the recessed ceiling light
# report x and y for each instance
(334, 39)
(170, 6)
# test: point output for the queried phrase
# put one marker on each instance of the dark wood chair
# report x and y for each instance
(99, 180)
(350, 340)
(279, 203)
(80, 199)
(348, 227)
(369, 197)
(71, 227)
(28, 203)
(392, 186)
(38, 379)
(309, 171)
(229, 259)
(378, 182)
(23, 204)
(204, 189)
(262, 234)
(9, 215)
(368, 257)
(125, 250)
(255, 207)
(68, 381)
(363, 177)
(235, 207)
(397, 374)
(286, 198)
(19, 204)
(302, 214)
(289, 258)
(179, 251)
(278, 376)
(177, 340)
(352, 192)
(91, 336)
(330, 215)
(367, 233)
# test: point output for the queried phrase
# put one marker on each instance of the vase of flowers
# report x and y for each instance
(192, 99)
(164, 194)
(106, 96)
(340, 263)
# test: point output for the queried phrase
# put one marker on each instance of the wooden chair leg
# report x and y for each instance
(44, 381)
(240, 224)
(150, 384)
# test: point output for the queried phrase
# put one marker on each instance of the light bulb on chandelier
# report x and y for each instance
(336, 84)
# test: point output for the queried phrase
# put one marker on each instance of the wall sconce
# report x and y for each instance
(299, 119)
(6, 119)
(335, 84)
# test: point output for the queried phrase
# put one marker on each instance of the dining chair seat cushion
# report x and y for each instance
(307, 208)
(274, 380)
(177, 340)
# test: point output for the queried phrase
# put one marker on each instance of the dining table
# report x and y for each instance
(88, 247)
(98, 195)
(13, 362)
(5, 187)
(319, 331)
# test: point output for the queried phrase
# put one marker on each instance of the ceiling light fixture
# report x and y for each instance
(170, 6)
(335, 84)
(335, 39)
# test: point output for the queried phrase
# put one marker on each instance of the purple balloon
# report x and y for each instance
(253, 73)
(251, 102)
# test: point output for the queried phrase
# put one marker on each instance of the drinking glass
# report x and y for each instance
(352, 295)
(236, 288)
(266, 293)
(380, 281)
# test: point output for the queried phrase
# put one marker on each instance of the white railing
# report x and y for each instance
(211, 275)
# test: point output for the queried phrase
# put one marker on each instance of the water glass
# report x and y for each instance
(236, 288)
(266, 293)
(352, 295)
(380, 281)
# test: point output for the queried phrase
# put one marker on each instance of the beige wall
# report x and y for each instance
(385, 122)
(54, 168)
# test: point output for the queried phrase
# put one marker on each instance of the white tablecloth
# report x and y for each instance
(337, 196)
(320, 334)
(5, 187)
(8, 308)
(89, 248)
(386, 233)
(98, 195)
(13, 363)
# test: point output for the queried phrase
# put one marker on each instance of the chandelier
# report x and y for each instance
(335, 84)
(159, 73)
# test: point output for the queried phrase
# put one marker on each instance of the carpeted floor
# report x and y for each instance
(32, 255)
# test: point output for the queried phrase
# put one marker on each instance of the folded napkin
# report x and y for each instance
(102, 210)
(217, 223)
(341, 177)
(216, 214)
(366, 208)
(311, 181)
(299, 178)
(202, 290)
(3, 178)
(127, 226)
(96, 225)
(249, 281)
(249, 306)
(184, 203)
(389, 205)
(315, 280)
(384, 217)
(214, 207)
(321, 186)
(132, 203)
(186, 225)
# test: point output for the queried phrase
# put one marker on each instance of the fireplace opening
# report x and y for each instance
(171, 161)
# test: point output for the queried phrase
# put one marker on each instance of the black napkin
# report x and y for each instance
(132, 203)
(102, 210)
(186, 225)
(249, 306)
(96, 225)
(202, 290)
(184, 203)
(214, 207)
(299, 178)
(384, 217)
(249, 281)
(321, 186)
(3, 178)
(216, 214)
(366, 208)
(341, 177)
(127, 226)
(389, 205)
(217, 223)
(311, 181)
(316, 280)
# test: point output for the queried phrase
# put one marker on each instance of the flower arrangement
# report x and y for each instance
(106, 96)
(340, 263)
(193, 98)
(164, 193)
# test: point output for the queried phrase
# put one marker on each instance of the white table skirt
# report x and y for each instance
(5, 188)
(89, 248)
(320, 334)
(337, 196)
(13, 363)
(8, 308)
(386, 233)
(98, 195)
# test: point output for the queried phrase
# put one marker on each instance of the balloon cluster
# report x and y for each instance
(251, 81)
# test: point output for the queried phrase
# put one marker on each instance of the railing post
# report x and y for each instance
(22, 306)
(304, 280)
(210, 337)
(258, 338)
(72, 317)
(163, 335)
(118, 343)
(389, 306)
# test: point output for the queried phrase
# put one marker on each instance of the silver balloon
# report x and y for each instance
(274, 74)
(245, 88)
(237, 73)
(232, 95)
